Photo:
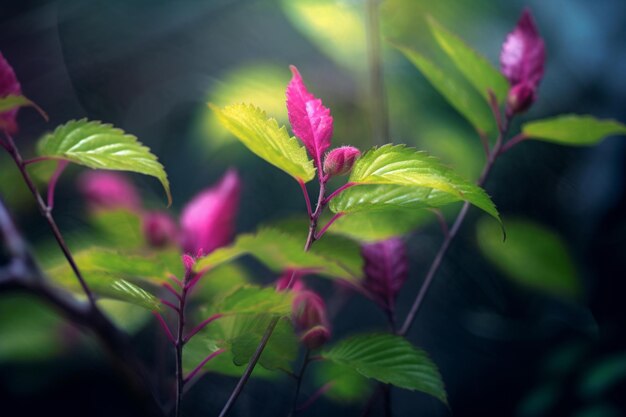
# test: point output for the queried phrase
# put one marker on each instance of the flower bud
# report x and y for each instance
(309, 319)
(188, 262)
(108, 190)
(159, 229)
(339, 161)
(520, 98)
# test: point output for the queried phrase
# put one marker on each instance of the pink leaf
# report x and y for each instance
(108, 190)
(208, 221)
(310, 121)
(523, 53)
(159, 229)
(9, 85)
(386, 270)
(309, 318)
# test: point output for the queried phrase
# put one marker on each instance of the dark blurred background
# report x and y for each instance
(149, 67)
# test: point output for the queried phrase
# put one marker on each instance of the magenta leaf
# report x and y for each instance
(310, 121)
(208, 221)
(9, 86)
(385, 270)
(309, 319)
(159, 229)
(523, 53)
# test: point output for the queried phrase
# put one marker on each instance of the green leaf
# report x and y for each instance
(120, 229)
(219, 282)
(382, 198)
(256, 300)
(102, 146)
(460, 96)
(280, 251)
(346, 385)
(603, 375)
(532, 255)
(128, 317)
(571, 129)
(476, 69)
(266, 139)
(401, 165)
(389, 359)
(108, 273)
(12, 102)
(372, 226)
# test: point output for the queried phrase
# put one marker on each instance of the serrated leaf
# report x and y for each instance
(389, 359)
(365, 199)
(532, 255)
(266, 139)
(476, 69)
(404, 166)
(454, 89)
(218, 282)
(279, 251)
(108, 273)
(118, 228)
(101, 146)
(572, 129)
(346, 385)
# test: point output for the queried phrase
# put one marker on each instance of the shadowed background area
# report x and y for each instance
(150, 67)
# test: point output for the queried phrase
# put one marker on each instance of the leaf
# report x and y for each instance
(532, 255)
(523, 53)
(370, 226)
(102, 146)
(401, 165)
(476, 69)
(571, 129)
(263, 137)
(119, 229)
(346, 385)
(11, 90)
(310, 121)
(279, 251)
(13, 102)
(219, 282)
(389, 359)
(386, 270)
(465, 100)
(256, 300)
(366, 199)
(126, 316)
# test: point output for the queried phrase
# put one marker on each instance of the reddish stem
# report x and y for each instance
(330, 222)
(201, 326)
(165, 327)
(307, 200)
(316, 395)
(199, 367)
(170, 305)
(171, 290)
(338, 191)
(53, 182)
(37, 159)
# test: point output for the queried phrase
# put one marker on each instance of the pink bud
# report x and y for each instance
(208, 221)
(523, 53)
(159, 229)
(385, 270)
(339, 161)
(310, 121)
(520, 98)
(108, 190)
(308, 312)
(293, 276)
(188, 262)
(9, 85)
(315, 337)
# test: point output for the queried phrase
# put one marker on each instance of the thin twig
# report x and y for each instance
(53, 182)
(201, 365)
(201, 326)
(165, 327)
(332, 220)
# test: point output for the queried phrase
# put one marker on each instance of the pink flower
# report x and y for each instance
(339, 161)
(108, 190)
(309, 319)
(208, 221)
(522, 62)
(9, 85)
(385, 270)
(310, 121)
(159, 229)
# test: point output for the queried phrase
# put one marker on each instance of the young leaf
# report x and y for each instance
(310, 120)
(571, 129)
(102, 146)
(386, 270)
(279, 251)
(478, 71)
(346, 385)
(11, 93)
(389, 359)
(463, 98)
(401, 165)
(266, 139)
(13, 102)
(255, 300)
(531, 255)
